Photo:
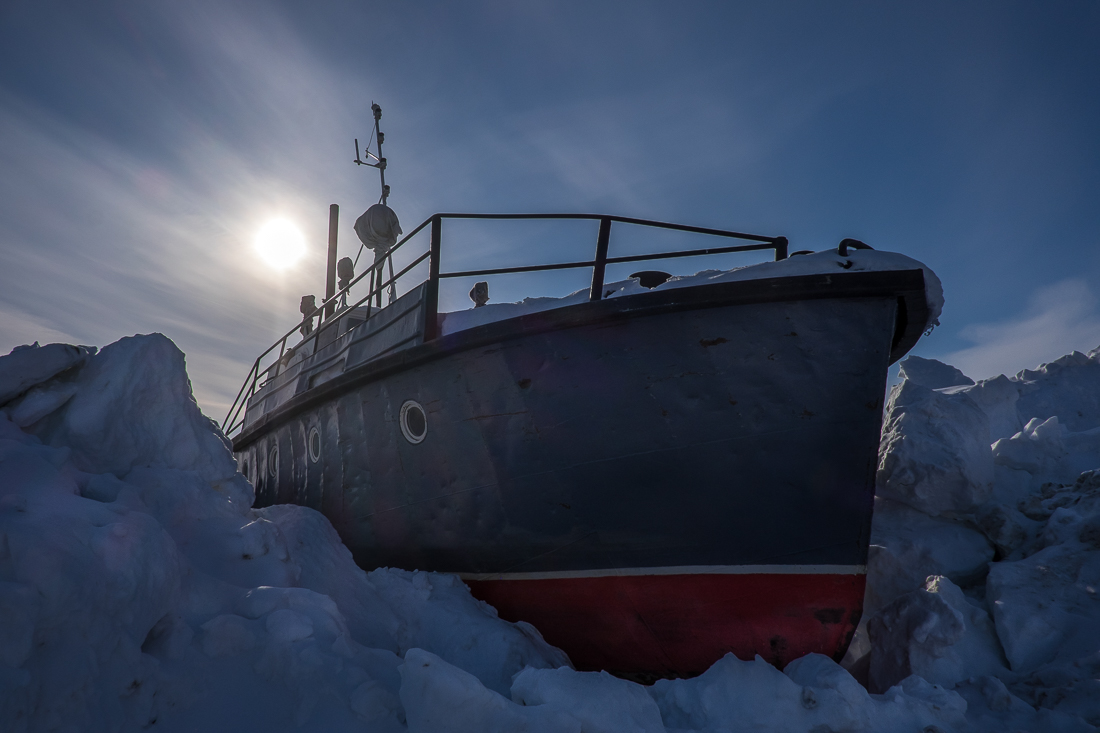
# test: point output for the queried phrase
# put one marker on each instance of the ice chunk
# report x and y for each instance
(1064, 388)
(39, 402)
(908, 634)
(931, 373)
(908, 546)
(134, 408)
(1045, 605)
(1005, 527)
(1071, 689)
(990, 706)
(27, 366)
(814, 694)
(998, 398)
(751, 696)
(1047, 452)
(818, 671)
(934, 454)
(935, 633)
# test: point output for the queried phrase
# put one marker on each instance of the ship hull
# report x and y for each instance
(668, 622)
(574, 464)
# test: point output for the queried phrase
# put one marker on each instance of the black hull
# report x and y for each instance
(738, 433)
(725, 426)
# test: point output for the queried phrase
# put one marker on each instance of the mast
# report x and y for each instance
(380, 162)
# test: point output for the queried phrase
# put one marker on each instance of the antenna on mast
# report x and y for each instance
(380, 162)
(378, 227)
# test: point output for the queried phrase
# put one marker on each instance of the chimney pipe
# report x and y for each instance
(330, 280)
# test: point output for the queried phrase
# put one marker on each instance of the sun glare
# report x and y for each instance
(280, 244)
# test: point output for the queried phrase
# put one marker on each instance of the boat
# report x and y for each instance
(653, 473)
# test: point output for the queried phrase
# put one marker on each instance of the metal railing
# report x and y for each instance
(234, 419)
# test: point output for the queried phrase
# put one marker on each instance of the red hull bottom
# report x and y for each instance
(679, 625)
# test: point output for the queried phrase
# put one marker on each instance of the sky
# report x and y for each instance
(143, 145)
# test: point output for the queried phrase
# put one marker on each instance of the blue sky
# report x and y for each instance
(143, 144)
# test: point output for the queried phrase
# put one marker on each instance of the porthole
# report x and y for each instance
(414, 423)
(273, 463)
(314, 444)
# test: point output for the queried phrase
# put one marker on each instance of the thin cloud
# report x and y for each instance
(1059, 319)
(102, 242)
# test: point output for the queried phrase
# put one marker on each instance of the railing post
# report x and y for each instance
(596, 291)
(780, 248)
(380, 277)
(330, 273)
(431, 289)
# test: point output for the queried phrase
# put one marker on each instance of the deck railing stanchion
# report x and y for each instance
(370, 289)
(596, 291)
(377, 275)
(282, 350)
(780, 248)
(431, 288)
(234, 409)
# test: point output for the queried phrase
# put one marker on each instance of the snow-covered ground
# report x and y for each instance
(140, 590)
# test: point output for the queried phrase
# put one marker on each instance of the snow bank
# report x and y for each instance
(827, 262)
(138, 587)
(995, 485)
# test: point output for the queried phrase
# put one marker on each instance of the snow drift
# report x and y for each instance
(140, 590)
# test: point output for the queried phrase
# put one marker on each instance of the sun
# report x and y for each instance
(280, 244)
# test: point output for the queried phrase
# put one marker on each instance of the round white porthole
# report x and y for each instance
(273, 463)
(314, 444)
(414, 422)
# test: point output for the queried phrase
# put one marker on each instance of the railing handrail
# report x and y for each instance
(254, 372)
(612, 217)
(431, 297)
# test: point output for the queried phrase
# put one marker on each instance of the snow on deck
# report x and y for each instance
(140, 591)
(818, 263)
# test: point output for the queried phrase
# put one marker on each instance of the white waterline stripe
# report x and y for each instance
(676, 570)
